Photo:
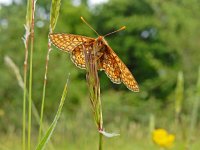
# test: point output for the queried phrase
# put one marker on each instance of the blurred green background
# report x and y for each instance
(161, 40)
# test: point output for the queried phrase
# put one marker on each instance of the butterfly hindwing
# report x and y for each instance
(78, 56)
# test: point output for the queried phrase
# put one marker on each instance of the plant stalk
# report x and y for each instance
(25, 94)
(26, 44)
(100, 141)
(44, 90)
(94, 89)
(31, 73)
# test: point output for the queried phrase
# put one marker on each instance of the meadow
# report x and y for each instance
(47, 102)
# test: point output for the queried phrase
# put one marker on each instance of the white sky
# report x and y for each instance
(92, 2)
(4, 1)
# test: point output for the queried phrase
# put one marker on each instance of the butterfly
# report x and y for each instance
(107, 59)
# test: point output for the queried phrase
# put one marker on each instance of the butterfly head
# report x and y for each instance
(101, 42)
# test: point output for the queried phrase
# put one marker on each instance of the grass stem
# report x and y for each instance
(94, 89)
(44, 91)
(100, 141)
(26, 44)
(31, 73)
(25, 94)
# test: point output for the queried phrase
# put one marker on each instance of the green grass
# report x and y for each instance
(89, 141)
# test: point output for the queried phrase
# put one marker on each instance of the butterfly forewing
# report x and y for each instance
(68, 42)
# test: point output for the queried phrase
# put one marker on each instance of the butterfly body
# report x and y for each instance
(105, 57)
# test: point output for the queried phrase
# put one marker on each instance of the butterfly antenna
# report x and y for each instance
(89, 25)
(122, 28)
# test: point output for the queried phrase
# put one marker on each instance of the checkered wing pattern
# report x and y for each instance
(78, 56)
(110, 66)
(74, 45)
(68, 42)
(117, 70)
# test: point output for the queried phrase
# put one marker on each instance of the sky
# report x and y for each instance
(7, 2)
(92, 2)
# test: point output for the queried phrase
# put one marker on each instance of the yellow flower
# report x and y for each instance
(162, 138)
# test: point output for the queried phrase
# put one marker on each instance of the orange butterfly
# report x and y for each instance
(107, 59)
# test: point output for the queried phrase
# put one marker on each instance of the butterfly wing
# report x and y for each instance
(78, 56)
(118, 70)
(74, 45)
(110, 66)
(115, 69)
(68, 42)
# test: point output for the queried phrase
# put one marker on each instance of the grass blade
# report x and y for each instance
(55, 7)
(179, 96)
(49, 132)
